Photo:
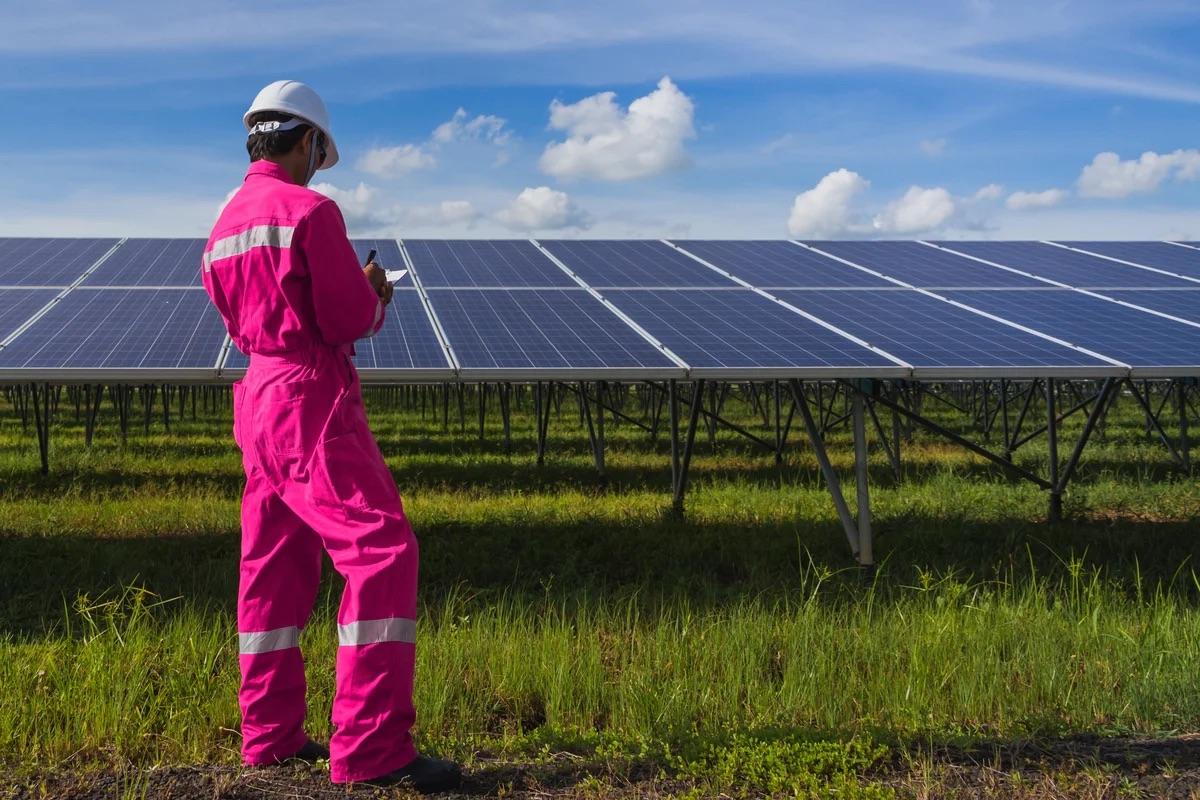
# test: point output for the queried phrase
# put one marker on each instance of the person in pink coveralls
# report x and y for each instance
(279, 268)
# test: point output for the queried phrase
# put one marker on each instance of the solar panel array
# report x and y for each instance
(134, 309)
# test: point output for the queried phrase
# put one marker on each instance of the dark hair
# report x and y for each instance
(275, 143)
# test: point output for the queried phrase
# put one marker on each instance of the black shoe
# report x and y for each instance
(426, 775)
(310, 753)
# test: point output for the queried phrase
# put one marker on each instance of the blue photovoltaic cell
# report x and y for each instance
(48, 262)
(539, 328)
(923, 266)
(779, 264)
(387, 253)
(501, 263)
(739, 329)
(406, 340)
(18, 305)
(1171, 257)
(633, 264)
(1067, 266)
(927, 332)
(151, 262)
(1130, 336)
(1182, 303)
(121, 329)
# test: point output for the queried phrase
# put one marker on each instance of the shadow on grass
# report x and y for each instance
(708, 564)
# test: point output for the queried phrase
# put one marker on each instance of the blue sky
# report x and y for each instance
(752, 119)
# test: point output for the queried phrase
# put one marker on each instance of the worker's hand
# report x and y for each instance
(377, 277)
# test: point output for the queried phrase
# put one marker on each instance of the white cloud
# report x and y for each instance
(607, 143)
(933, 147)
(993, 191)
(542, 208)
(824, 210)
(1019, 201)
(366, 213)
(1109, 176)
(485, 127)
(392, 162)
(918, 209)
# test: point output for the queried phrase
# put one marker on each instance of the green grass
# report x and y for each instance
(737, 649)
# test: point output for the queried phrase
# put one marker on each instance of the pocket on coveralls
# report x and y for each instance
(351, 464)
(297, 415)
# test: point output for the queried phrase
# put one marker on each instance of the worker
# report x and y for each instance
(287, 282)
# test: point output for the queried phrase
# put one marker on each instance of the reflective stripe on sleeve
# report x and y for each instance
(247, 240)
(268, 641)
(373, 631)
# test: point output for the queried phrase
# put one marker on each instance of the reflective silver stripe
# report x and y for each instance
(372, 631)
(268, 641)
(247, 240)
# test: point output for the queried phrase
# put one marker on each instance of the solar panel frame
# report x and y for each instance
(633, 264)
(779, 264)
(501, 334)
(1132, 337)
(1182, 303)
(150, 262)
(19, 305)
(71, 341)
(483, 264)
(1159, 255)
(50, 262)
(967, 345)
(923, 266)
(710, 331)
(1078, 270)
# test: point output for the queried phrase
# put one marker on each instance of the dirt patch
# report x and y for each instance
(1080, 767)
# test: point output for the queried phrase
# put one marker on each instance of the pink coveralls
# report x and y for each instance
(279, 268)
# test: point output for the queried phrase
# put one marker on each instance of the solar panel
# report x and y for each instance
(1067, 266)
(740, 333)
(406, 341)
(541, 330)
(405, 344)
(491, 264)
(923, 266)
(776, 264)
(939, 338)
(134, 329)
(48, 262)
(1172, 258)
(18, 305)
(1151, 345)
(151, 262)
(633, 264)
(1182, 303)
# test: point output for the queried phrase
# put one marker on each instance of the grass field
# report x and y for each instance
(576, 640)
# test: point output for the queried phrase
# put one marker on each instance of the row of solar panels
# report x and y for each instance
(76, 309)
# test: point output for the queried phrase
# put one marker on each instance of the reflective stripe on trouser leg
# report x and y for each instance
(373, 631)
(250, 644)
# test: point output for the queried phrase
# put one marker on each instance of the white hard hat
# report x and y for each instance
(299, 100)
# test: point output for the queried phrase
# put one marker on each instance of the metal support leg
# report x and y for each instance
(688, 446)
(505, 412)
(866, 554)
(778, 427)
(673, 425)
(831, 479)
(1055, 514)
(1185, 451)
(41, 421)
(600, 398)
(537, 413)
